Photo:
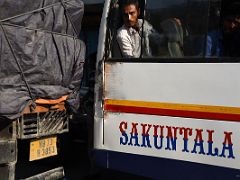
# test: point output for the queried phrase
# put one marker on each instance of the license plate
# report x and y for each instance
(43, 148)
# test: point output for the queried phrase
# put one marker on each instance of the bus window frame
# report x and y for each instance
(164, 59)
(176, 60)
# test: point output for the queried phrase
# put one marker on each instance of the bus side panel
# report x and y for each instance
(181, 111)
(215, 84)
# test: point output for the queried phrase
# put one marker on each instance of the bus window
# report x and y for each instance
(223, 36)
(188, 35)
(214, 35)
(230, 17)
(153, 36)
(185, 28)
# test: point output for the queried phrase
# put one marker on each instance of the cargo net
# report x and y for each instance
(40, 124)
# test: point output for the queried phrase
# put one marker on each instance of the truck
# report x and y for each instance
(41, 67)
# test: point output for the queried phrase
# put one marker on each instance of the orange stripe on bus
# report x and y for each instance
(175, 110)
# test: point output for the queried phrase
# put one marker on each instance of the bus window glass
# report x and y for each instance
(183, 23)
(181, 28)
(214, 36)
(230, 24)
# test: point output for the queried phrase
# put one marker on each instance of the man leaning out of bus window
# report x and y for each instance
(129, 35)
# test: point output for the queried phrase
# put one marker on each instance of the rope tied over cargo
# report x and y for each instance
(62, 2)
(33, 105)
(42, 55)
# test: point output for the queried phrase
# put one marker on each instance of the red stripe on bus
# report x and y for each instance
(173, 113)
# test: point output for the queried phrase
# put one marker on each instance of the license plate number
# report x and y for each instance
(43, 148)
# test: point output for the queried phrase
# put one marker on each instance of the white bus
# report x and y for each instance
(175, 114)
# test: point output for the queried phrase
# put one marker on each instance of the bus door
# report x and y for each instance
(175, 113)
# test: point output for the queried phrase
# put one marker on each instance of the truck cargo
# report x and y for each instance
(41, 67)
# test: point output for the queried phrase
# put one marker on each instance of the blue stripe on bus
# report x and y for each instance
(163, 169)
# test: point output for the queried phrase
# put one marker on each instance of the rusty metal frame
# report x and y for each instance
(7, 171)
(8, 149)
(57, 173)
(35, 125)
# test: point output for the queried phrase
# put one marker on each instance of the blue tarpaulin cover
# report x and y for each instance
(41, 55)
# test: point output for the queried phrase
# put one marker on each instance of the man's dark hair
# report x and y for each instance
(129, 2)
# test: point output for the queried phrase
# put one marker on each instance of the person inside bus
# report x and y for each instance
(129, 35)
(224, 41)
(137, 36)
(214, 36)
(231, 33)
